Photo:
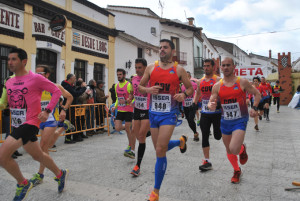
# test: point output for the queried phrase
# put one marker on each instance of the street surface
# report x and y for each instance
(99, 171)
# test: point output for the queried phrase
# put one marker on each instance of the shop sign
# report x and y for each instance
(11, 18)
(58, 23)
(89, 42)
(41, 26)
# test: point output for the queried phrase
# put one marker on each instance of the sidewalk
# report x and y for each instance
(99, 171)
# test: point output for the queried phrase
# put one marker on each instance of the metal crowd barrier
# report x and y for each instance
(85, 117)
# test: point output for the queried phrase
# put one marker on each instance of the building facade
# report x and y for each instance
(84, 47)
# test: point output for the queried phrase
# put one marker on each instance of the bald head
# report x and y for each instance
(228, 59)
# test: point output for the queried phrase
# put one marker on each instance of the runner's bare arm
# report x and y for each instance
(186, 82)
(198, 93)
(145, 79)
(212, 104)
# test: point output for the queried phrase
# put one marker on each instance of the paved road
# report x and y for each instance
(99, 171)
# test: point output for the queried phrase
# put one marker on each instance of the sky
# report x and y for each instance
(255, 26)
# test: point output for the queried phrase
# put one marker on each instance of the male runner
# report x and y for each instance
(208, 118)
(266, 91)
(232, 92)
(141, 124)
(164, 77)
(276, 89)
(124, 94)
(24, 98)
(256, 81)
(49, 132)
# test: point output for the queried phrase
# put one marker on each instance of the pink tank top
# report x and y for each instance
(141, 100)
(188, 101)
(122, 95)
(24, 98)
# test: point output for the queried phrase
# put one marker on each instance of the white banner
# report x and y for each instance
(40, 26)
(11, 18)
(249, 72)
(89, 42)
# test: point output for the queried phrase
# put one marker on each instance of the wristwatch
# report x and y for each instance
(48, 110)
(255, 108)
(62, 108)
(185, 94)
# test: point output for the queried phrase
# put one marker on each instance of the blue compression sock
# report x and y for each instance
(160, 170)
(173, 143)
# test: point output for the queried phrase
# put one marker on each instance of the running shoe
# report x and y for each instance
(198, 122)
(153, 196)
(243, 156)
(267, 118)
(196, 137)
(62, 180)
(256, 127)
(68, 126)
(37, 179)
(129, 154)
(135, 171)
(183, 139)
(236, 176)
(277, 111)
(205, 166)
(22, 191)
(127, 149)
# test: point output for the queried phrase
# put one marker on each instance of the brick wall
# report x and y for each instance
(285, 77)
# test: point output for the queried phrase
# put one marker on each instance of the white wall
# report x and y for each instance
(59, 2)
(138, 26)
(210, 47)
(90, 13)
(132, 10)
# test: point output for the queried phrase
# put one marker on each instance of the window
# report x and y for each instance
(98, 72)
(48, 58)
(4, 72)
(79, 69)
(153, 31)
(140, 53)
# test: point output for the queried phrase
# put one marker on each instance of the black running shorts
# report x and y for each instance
(26, 132)
(140, 114)
(124, 116)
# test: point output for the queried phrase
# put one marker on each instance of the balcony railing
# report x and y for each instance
(180, 57)
(198, 62)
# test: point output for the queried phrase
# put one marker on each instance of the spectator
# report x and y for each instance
(100, 98)
(90, 113)
(112, 91)
(295, 102)
(80, 119)
(68, 84)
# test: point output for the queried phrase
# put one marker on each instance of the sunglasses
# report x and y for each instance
(41, 73)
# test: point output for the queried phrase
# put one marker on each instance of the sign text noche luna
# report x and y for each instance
(93, 43)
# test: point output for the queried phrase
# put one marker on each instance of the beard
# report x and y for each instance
(165, 58)
(121, 79)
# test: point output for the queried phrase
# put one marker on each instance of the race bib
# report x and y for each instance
(44, 104)
(18, 117)
(204, 106)
(231, 111)
(140, 102)
(188, 102)
(161, 103)
(121, 102)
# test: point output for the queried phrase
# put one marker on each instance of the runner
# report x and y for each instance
(124, 94)
(276, 89)
(232, 92)
(208, 118)
(266, 91)
(49, 132)
(190, 109)
(24, 96)
(256, 82)
(164, 77)
(141, 124)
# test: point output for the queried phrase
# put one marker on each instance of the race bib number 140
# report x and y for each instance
(161, 103)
